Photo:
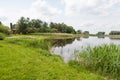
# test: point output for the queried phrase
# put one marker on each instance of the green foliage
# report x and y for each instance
(22, 24)
(103, 59)
(25, 26)
(2, 36)
(4, 29)
(114, 33)
(78, 32)
(61, 27)
(86, 32)
(101, 33)
(53, 30)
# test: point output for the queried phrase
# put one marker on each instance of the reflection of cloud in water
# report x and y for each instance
(66, 49)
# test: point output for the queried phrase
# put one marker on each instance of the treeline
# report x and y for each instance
(27, 25)
(114, 33)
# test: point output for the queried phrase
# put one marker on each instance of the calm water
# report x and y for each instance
(66, 47)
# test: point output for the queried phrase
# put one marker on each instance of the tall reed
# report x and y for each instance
(103, 59)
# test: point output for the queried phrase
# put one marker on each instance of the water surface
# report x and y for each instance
(66, 47)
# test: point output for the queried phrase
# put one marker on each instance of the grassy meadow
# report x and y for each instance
(27, 57)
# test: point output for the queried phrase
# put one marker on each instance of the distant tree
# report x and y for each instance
(53, 25)
(79, 32)
(61, 27)
(23, 25)
(114, 33)
(45, 24)
(70, 29)
(36, 23)
(86, 32)
(100, 33)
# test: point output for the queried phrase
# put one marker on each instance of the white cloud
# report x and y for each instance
(92, 15)
(89, 7)
(43, 8)
(38, 9)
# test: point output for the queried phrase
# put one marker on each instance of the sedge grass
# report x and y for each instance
(103, 59)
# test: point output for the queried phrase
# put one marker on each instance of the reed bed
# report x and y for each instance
(104, 60)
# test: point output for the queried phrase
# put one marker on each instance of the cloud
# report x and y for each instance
(90, 7)
(43, 8)
(3, 18)
(39, 9)
(92, 15)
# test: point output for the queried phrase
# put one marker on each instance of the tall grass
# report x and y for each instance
(35, 43)
(103, 59)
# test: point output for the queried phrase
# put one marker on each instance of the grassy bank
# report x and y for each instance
(104, 60)
(57, 35)
(29, 59)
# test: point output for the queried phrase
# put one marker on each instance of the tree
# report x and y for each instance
(86, 32)
(70, 29)
(114, 33)
(53, 25)
(79, 32)
(45, 24)
(23, 25)
(101, 33)
(36, 23)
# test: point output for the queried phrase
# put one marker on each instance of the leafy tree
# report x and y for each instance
(22, 25)
(114, 33)
(79, 32)
(36, 23)
(25, 25)
(45, 24)
(52, 25)
(100, 33)
(86, 32)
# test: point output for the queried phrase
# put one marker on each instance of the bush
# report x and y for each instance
(2, 36)
(4, 29)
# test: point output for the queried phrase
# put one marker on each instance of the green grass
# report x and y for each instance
(30, 59)
(104, 60)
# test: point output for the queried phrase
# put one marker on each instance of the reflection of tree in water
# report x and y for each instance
(86, 36)
(61, 42)
(78, 39)
(101, 37)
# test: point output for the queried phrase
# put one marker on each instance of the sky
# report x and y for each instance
(86, 15)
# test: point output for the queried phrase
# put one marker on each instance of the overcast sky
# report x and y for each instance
(90, 15)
